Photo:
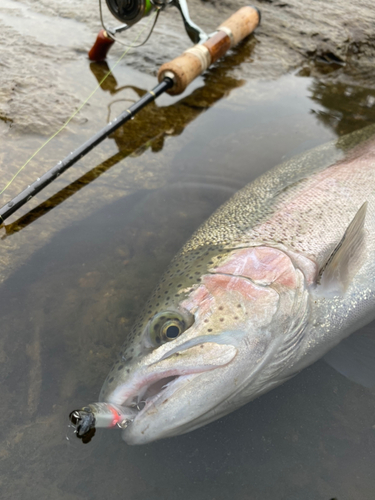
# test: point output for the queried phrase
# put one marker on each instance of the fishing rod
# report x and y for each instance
(173, 77)
(185, 110)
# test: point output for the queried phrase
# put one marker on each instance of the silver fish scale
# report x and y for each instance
(254, 203)
(259, 213)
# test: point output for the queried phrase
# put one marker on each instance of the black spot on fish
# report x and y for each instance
(110, 380)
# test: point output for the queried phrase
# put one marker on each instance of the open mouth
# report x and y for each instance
(160, 380)
(149, 392)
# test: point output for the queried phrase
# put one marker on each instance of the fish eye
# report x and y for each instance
(168, 325)
(171, 330)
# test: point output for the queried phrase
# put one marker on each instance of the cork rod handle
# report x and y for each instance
(185, 68)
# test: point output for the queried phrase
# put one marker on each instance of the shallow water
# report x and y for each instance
(76, 271)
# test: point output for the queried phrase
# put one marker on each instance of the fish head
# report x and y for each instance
(199, 347)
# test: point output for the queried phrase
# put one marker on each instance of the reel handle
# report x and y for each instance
(185, 68)
(99, 50)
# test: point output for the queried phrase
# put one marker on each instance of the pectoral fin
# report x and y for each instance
(346, 259)
(354, 357)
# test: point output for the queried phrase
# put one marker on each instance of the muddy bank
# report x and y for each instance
(333, 40)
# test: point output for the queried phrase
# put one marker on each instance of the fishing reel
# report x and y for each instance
(130, 12)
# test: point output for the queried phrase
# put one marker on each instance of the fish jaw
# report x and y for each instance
(165, 416)
(159, 383)
(195, 399)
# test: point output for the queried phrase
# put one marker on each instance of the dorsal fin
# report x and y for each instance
(346, 259)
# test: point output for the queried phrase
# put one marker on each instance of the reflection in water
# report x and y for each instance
(150, 127)
(345, 108)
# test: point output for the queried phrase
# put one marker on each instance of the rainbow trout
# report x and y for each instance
(270, 283)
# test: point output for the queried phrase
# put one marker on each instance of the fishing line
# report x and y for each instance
(114, 102)
(84, 102)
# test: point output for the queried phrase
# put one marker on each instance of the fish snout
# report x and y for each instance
(148, 384)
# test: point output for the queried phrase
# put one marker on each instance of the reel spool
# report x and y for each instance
(130, 12)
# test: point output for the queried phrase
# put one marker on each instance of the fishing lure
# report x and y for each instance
(89, 418)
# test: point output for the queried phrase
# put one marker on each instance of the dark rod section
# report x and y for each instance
(82, 150)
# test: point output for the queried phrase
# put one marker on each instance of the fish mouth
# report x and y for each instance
(163, 394)
(160, 391)
(151, 391)
(156, 384)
